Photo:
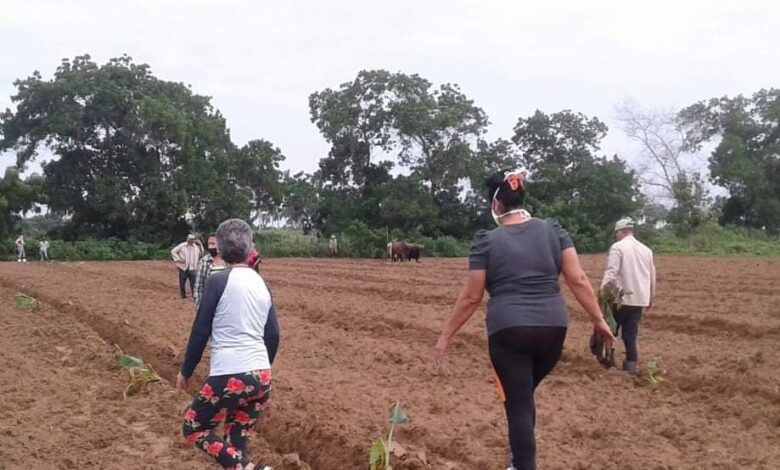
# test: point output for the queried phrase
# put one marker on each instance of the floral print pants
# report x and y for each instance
(236, 400)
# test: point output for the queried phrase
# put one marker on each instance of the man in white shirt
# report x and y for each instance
(44, 250)
(21, 256)
(186, 256)
(333, 246)
(630, 266)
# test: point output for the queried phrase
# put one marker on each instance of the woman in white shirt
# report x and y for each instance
(237, 314)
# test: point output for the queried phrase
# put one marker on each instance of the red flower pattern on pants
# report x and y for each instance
(241, 417)
(238, 408)
(234, 385)
(219, 417)
(214, 448)
(265, 376)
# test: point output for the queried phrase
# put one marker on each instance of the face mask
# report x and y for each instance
(497, 217)
(213, 251)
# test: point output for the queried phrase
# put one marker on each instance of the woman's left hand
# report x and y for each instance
(601, 328)
(440, 351)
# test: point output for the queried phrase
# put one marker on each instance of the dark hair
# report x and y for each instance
(509, 198)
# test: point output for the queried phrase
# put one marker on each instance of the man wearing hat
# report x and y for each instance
(333, 246)
(186, 256)
(630, 266)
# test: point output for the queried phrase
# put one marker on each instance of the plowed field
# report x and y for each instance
(358, 335)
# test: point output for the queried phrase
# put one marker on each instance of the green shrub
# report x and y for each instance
(289, 243)
(446, 247)
(99, 250)
(712, 239)
(356, 241)
(359, 241)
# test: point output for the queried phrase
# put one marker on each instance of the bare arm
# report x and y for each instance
(469, 299)
(579, 284)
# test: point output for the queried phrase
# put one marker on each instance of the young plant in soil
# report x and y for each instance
(651, 375)
(380, 449)
(140, 374)
(25, 302)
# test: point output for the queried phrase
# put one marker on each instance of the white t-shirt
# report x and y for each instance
(239, 322)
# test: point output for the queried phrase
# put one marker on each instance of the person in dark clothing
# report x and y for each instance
(237, 314)
(519, 264)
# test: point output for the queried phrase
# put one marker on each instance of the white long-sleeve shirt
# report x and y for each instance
(630, 265)
(186, 256)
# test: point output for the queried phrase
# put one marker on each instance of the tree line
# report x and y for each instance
(135, 157)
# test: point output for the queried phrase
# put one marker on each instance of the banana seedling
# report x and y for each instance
(381, 449)
(25, 302)
(610, 300)
(651, 375)
(140, 374)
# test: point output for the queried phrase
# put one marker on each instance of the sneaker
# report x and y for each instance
(630, 367)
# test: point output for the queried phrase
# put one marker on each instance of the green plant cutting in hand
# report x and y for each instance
(380, 449)
(610, 298)
(140, 373)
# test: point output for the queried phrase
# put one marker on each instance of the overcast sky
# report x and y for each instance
(259, 61)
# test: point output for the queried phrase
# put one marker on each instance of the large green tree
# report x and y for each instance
(382, 124)
(568, 181)
(135, 156)
(355, 120)
(258, 172)
(746, 160)
(301, 198)
(17, 196)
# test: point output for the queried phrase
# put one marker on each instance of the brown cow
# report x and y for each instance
(397, 251)
(414, 252)
(403, 251)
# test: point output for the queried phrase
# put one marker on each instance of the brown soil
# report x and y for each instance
(358, 335)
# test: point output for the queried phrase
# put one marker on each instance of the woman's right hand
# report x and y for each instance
(182, 382)
(601, 328)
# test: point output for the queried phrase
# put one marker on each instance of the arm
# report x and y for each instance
(613, 265)
(468, 301)
(271, 334)
(176, 253)
(200, 280)
(201, 327)
(579, 284)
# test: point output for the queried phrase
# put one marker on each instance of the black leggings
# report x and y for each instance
(522, 357)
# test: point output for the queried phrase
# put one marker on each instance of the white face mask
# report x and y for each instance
(497, 217)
